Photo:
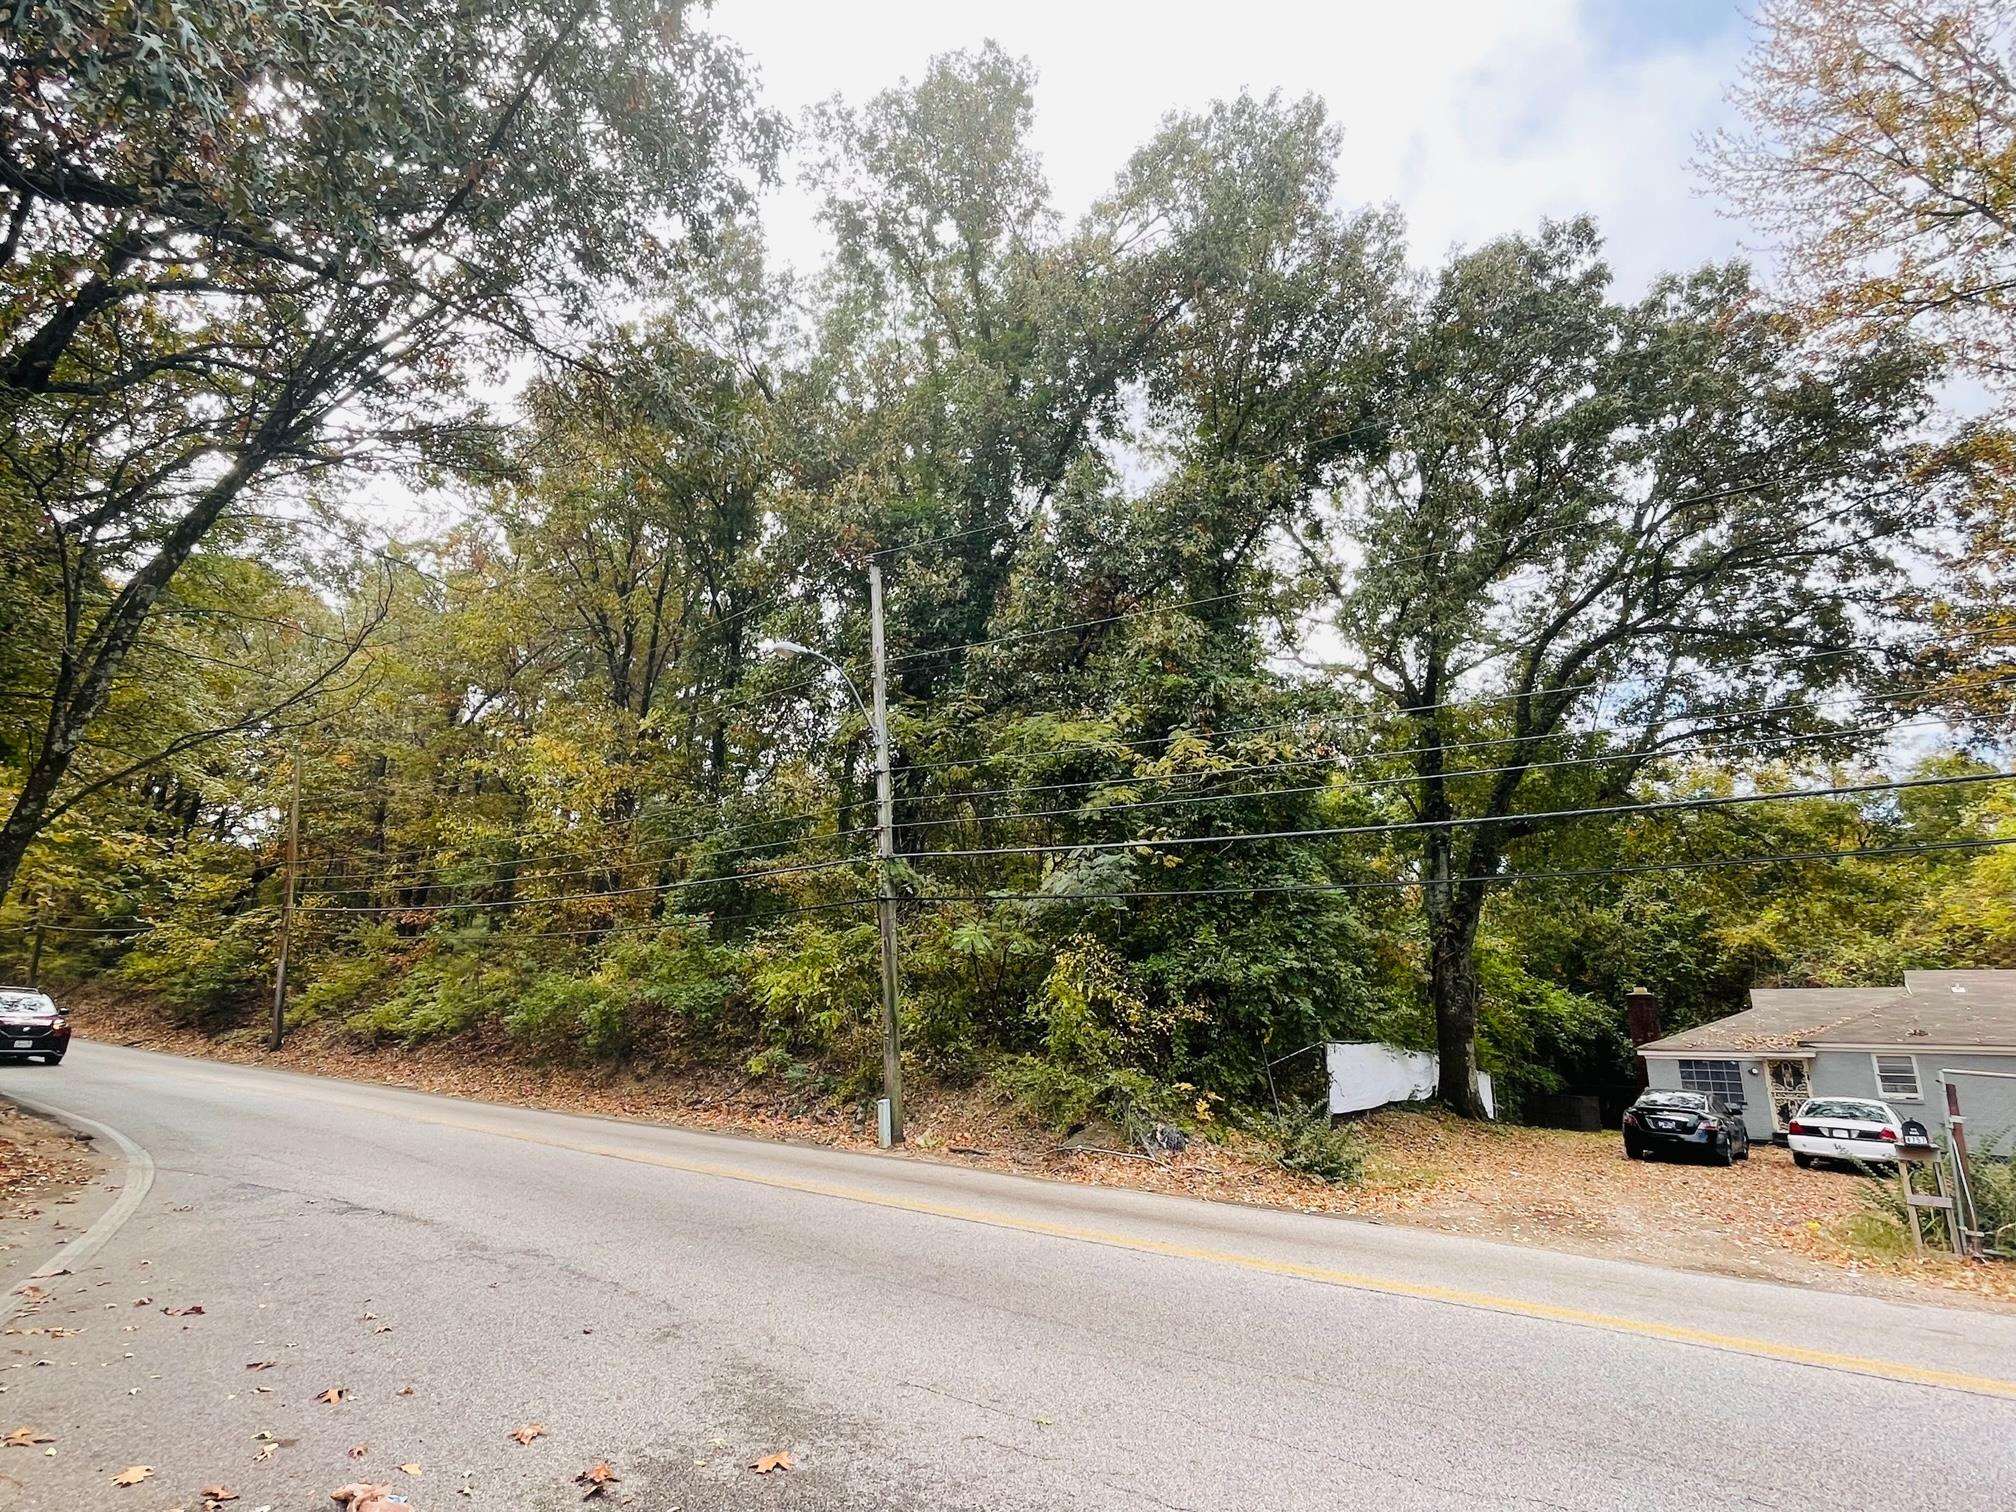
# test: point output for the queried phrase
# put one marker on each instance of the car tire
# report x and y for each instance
(1802, 1160)
(1744, 1153)
(1632, 1152)
(52, 1060)
(1724, 1154)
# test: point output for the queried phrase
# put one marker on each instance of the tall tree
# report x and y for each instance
(1623, 527)
(249, 244)
(1880, 152)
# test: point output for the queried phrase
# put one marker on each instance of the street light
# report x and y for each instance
(891, 1131)
(773, 645)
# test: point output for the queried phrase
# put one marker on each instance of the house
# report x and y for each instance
(1902, 1044)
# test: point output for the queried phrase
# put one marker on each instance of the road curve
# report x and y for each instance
(913, 1335)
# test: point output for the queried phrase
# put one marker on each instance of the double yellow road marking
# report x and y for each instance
(1672, 1333)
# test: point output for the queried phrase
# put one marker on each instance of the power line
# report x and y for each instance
(1499, 878)
(1347, 758)
(614, 892)
(1097, 811)
(1303, 722)
(431, 876)
(1468, 821)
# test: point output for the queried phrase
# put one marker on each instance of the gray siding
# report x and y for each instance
(1988, 1104)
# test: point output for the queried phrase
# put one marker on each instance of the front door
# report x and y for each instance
(1791, 1084)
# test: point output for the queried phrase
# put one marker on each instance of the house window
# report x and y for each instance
(1897, 1076)
(1723, 1079)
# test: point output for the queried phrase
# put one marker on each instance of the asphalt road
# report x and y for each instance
(914, 1335)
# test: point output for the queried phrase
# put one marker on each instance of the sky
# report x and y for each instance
(1475, 117)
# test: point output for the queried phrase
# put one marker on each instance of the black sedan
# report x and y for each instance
(31, 1028)
(1684, 1123)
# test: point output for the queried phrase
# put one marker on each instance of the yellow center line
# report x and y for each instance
(1672, 1333)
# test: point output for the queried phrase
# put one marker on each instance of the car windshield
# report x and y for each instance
(1843, 1107)
(1690, 1100)
(25, 1002)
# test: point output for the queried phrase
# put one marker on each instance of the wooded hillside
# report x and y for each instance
(1291, 637)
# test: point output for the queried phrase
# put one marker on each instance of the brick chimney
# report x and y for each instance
(1641, 1015)
(1641, 1022)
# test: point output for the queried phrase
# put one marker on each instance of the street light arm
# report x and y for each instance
(796, 649)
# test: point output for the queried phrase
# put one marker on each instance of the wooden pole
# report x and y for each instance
(287, 902)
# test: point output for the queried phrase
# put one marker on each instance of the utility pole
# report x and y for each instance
(287, 901)
(35, 952)
(885, 849)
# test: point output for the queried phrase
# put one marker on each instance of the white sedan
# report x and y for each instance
(1843, 1128)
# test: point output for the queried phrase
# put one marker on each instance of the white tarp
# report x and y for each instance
(1367, 1075)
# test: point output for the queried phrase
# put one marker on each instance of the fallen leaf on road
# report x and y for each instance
(404, 1391)
(28, 1438)
(331, 1397)
(529, 1432)
(219, 1494)
(132, 1475)
(361, 1496)
(781, 1460)
(143, 1301)
(358, 1451)
(598, 1478)
(266, 1452)
(194, 1311)
(410, 1469)
(382, 1328)
(260, 1364)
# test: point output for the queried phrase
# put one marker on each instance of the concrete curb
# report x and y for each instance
(139, 1181)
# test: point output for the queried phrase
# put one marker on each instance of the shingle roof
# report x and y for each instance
(1932, 1007)
(1779, 1018)
(1937, 1008)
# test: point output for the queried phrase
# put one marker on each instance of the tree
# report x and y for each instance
(1601, 529)
(1881, 149)
(250, 245)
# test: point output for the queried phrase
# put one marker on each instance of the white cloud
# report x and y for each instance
(1475, 117)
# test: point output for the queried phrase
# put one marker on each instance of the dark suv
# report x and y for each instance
(31, 1028)
(1685, 1123)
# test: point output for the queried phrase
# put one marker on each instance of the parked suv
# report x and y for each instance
(31, 1028)
(1685, 1123)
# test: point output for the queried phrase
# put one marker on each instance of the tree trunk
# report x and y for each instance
(1453, 915)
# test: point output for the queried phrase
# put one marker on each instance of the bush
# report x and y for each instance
(1312, 1146)
(209, 971)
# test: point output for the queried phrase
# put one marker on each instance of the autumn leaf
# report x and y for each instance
(28, 1438)
(132, 1475)
(598, 1478)
(781, 1460)
(404, 1391)
(410, 1469)
(358, 1451)
(219, 1494)
(529, 1432)
(362, 1496)
(195, 1311)
(260, 1364)
(331, 1397)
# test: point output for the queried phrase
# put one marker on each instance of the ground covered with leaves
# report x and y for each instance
(1557, 1189)
(41, 1164)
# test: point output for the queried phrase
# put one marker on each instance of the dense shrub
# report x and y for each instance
(1310, 1144)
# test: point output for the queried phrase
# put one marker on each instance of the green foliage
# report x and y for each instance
(210, 970)
(645, 994)
(817, 991)
(1312, 1146)
(1138, 456)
